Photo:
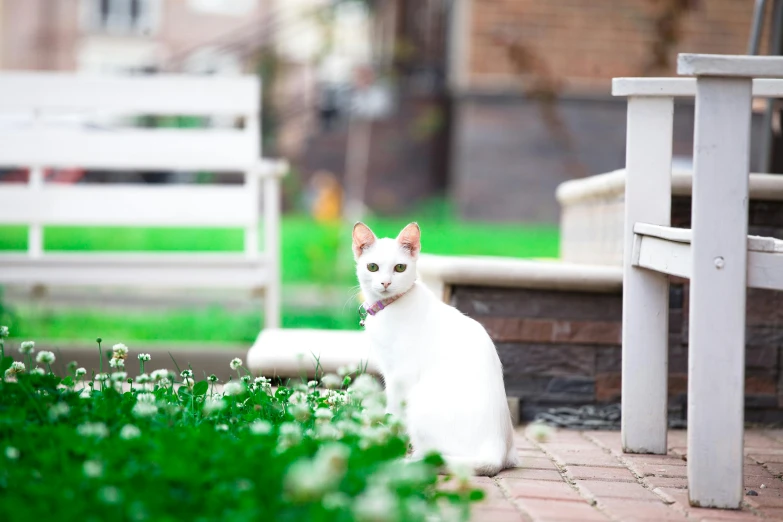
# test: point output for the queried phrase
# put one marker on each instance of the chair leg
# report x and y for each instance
(716, 365)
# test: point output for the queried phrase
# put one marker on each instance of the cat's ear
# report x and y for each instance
(363, 238)
(410, 239)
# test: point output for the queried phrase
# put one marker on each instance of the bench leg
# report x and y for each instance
(645, 334)
(716, 365)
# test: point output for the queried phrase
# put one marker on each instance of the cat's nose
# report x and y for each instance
(386, 285)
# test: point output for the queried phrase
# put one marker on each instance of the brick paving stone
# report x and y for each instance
(607, 439)
(655, 460)
(596, 473)
(767, 498)
(641, 510)
(680, 497)
(600, 489)
(589, 459)
(659, 470)
(667, 482)
(541, 462)
(773, 513)
(766, 458)
(532, 474)
(541, 510)
(775, 468)
(522, 488)
(480, 514)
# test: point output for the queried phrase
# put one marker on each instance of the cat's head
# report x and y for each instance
(386, 267)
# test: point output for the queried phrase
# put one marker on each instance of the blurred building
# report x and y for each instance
(120, 36)
(531, 82)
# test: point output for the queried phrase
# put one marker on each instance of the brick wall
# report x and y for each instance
(586, 43)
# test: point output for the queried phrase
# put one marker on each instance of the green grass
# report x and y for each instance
(87, 448)
(313, 253)
(214, 324)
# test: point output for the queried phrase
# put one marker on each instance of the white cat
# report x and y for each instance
(442, 373)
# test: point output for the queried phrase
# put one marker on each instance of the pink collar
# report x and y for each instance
(366, 308)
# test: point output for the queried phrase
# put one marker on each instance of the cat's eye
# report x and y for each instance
(372, 267)
(400, 268)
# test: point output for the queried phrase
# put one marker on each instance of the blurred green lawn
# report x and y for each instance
(313, 253)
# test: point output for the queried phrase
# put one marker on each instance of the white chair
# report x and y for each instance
(716, 254)
(37, 141)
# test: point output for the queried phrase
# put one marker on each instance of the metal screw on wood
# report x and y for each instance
(719, 262)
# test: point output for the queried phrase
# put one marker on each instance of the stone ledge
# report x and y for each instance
(294, 352)
(439, 271)
(611, 185)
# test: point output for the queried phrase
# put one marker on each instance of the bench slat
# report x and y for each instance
(135, 269)
(125, 204)
(160, 94)
(164, 149)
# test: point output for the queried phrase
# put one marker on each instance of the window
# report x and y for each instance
(121, 17)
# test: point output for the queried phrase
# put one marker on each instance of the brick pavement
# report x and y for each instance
(585, 476)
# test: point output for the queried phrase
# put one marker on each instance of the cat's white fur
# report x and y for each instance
(442, 373)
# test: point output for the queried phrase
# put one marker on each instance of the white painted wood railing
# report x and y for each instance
(714, 255)
(33, 135)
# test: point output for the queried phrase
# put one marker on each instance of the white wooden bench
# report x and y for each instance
(38, 143)
(716, 255)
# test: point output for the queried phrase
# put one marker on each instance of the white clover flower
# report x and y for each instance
(323, 414)
(336, 397)
(144, 357)
(93, 429)
(17, 367)
(130, 432)
(144, 409)
(311, 479)
(110, 495)
(539, 432)
(37, 371)
(364, 385)
(158, 375)
(145, 397)
(27, 347)
(58, 410)
(11, 453)
(186, 373)
(143, 378)
(80, 372)
(3, 332)
(290, 435)
(245, 379)
(119, 376)
(213, 405)
(233, 388)
(312, 384)
(187, 381)
(101, 377)
(44, 357)
(117, 363)
(297, 398)
(93, 468)
(221, 427)
(235, 363)
(332, 381)
(301, 412)
(85, 393)
(376, 504)
(260, 427)
(327, 431)
(120, 351)
(212, 378)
